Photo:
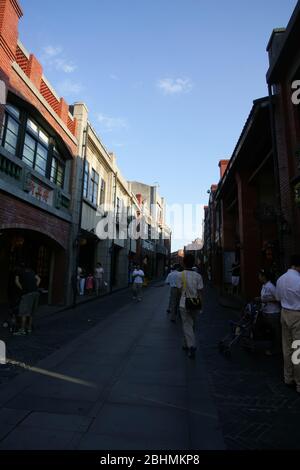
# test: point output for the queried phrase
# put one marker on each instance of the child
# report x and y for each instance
(89, 284)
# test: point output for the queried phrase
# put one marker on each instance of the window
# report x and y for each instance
(25, 139)
(118, 208)
(36, 147)
(102, 192)
(94, 187)
(57, 169)
(86, 180)
(10, 130)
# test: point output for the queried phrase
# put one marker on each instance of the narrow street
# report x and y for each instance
(123, 382)
(143, 393)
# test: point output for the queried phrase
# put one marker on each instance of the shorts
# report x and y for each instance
(29, 304)
(235, 280)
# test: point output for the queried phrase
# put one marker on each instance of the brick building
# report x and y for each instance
(245, 210)
(37, 146)
(283, 80)
(253, 217)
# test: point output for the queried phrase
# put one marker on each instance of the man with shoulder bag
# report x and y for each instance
(190, 284)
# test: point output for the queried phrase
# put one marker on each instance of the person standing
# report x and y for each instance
(89, 284)
(174, 296)
(190, 285)
(82, 276)
(235, 277)
(98, 277)
(28, 282)
(270, 310)
(138, 276)
(288, 293)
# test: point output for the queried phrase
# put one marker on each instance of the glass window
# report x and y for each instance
(94, 187)
(57, 171)
(29, 151)
(10, 129)
(86, 180)
(102, 192)
(35, 151)
(41, 159)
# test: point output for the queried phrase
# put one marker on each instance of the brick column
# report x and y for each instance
(34, 71)
(249, 236)
(10, 13)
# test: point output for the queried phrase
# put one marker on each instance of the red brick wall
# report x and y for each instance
(15, 213)
(9, 52)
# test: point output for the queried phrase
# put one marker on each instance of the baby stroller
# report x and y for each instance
(246, 331)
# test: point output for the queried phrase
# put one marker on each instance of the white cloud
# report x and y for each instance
(52, 56)
(172, 86)
(68, 87)
(113, 77)
(52, 51)
(109, 124)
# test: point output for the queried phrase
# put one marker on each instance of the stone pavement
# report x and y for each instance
(137, 388)
(257, 411)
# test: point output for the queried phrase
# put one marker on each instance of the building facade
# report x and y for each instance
(37, 147)
(253, 217)
(283, 80)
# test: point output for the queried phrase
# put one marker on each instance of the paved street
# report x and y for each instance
(143, 392)
(138, 389)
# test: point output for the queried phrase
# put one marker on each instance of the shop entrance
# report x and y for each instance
(37, 251)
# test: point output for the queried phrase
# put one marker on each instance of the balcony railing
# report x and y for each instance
(10, 168)
(19, 175)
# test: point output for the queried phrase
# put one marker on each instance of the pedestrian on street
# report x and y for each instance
(190, 285)
(79, 273)
(174, 293)
(81, 281)
(138, 276)
(89, 284)
(288, 293)
(98, 277)
(28, 282)
(235, 277)
(270, 310)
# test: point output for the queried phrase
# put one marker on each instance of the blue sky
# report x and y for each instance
(168, 83)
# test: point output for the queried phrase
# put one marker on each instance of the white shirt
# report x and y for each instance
(288, 290)
(269, 291)
(172, 278)
(139, 279)
(194, 283)
(99, 272)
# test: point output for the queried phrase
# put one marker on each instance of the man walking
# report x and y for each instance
(174, 293)
(28, 282)
(190, 285)
(288, 293)
(138, 276)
